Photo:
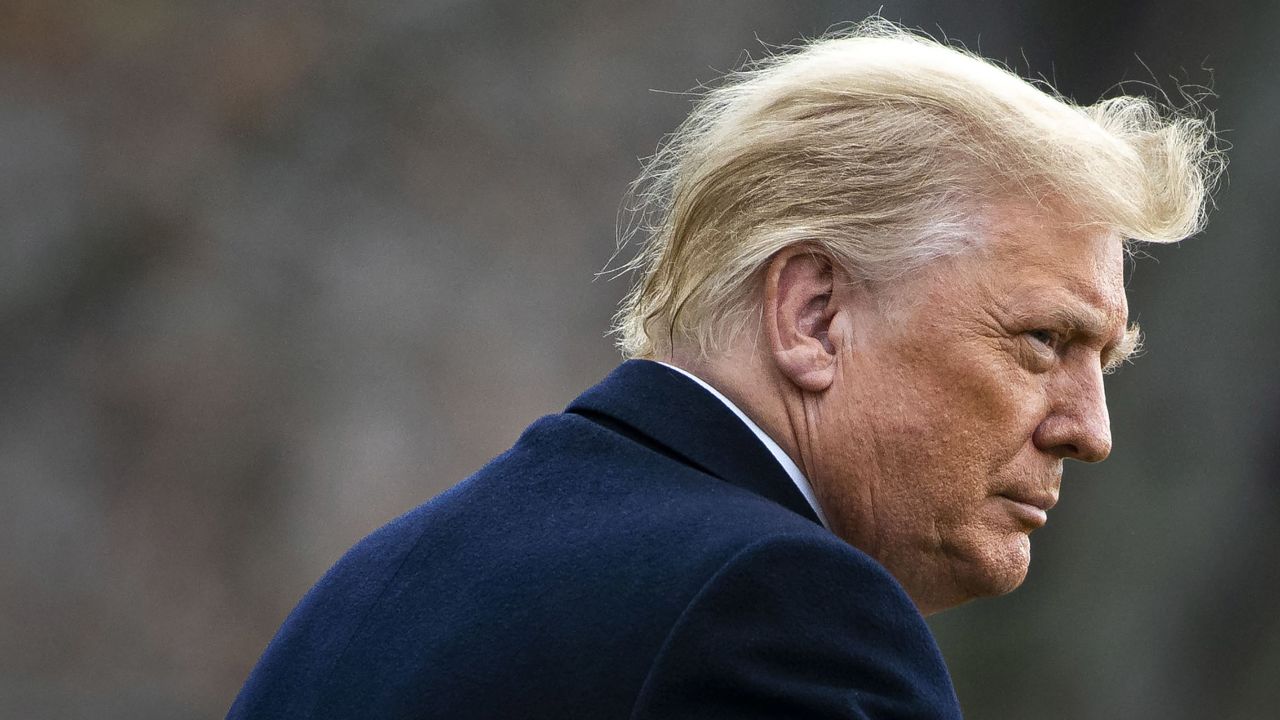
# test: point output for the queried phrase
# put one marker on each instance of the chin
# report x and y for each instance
(1000, 568)
(993, 567)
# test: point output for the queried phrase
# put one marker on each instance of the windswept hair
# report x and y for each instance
(880, 147)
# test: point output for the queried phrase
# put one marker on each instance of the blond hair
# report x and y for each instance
(879, 147)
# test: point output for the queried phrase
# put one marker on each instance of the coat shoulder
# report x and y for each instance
(546, 583)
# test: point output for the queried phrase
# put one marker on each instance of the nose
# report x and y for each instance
(1078, 426)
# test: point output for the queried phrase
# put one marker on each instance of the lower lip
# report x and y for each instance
(1028, 514)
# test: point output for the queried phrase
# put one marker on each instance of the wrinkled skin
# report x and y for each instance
(932, 418)
(946, 419)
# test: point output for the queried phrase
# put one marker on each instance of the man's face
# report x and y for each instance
(940, 444)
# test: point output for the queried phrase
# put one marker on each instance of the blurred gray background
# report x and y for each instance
(273, 273)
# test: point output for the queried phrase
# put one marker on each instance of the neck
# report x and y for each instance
(762, 395)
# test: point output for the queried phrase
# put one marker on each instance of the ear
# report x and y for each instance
(798, 310)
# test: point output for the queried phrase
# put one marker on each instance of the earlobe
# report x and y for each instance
(798, 311)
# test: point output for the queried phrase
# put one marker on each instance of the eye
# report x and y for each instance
(1047, 338)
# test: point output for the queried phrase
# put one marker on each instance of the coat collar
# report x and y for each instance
(671, 410)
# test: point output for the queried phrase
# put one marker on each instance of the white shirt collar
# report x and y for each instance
(789, 465)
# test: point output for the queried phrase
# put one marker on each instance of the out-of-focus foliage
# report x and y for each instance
(272, 273)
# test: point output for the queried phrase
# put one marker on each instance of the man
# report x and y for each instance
(882, 282)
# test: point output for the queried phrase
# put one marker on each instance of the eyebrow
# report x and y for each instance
(1123, 351)
(1087, 321)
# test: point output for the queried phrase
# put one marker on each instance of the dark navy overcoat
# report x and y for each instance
(641, 555)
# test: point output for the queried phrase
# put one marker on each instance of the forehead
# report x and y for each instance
(1036, 254)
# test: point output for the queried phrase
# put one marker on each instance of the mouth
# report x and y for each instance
(1031, 508)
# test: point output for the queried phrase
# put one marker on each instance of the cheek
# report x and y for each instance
(955, 430)
(987, 408)
(925, 429)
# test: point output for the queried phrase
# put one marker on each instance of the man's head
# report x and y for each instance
(933, 417)
(907, 264)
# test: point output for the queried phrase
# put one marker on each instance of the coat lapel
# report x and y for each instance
(659, 406)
